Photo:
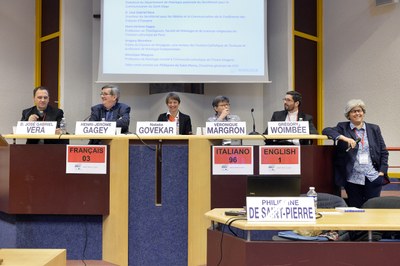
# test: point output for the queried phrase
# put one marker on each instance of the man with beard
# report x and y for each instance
(291, 103)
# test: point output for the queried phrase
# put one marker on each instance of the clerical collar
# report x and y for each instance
(40, 111)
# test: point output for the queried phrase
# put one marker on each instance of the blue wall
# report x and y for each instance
(80, 235)
(158, 234)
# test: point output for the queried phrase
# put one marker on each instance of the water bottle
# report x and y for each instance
(63, 126)
(312, 193)
(177, 126)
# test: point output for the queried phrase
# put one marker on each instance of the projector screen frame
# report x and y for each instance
(181, 78)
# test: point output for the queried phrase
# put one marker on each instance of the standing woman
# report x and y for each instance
(183, 121)
(361, 160)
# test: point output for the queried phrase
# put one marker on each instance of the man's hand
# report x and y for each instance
(33, 117)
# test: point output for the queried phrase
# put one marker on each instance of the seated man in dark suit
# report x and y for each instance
(291, 103)
(111, 109)
(42, 111)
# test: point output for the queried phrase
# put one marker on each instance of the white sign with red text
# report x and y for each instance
(86, 159)
(228, 160)
(277, 160)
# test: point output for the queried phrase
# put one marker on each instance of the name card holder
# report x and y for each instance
(225, 128)
(95, 128)
(36, 127)
(280, 209)
(156, 128)
(288, 128)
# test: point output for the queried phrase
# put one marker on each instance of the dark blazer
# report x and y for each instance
(120, 114)
(281, 116)
(185, 124)
(344, 161)
(50, 114)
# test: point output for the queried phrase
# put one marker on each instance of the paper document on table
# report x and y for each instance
(331, 213)
(349, 209)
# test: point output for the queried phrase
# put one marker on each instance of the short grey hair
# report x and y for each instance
(219, 99)
(114, 90)
(352, 104)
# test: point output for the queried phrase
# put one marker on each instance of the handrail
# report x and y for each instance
(397, 174)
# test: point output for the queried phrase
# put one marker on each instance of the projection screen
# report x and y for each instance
(183, 41)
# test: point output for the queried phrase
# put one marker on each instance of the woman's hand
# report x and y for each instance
(351, 142)
(224, 114)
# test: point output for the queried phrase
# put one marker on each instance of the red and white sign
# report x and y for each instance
(227, 160)
(279, 160)
(86, 159)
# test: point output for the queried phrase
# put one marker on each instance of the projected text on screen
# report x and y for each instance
(207, 38)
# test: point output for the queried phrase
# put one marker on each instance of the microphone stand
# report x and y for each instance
(87, 117)
(254, 132)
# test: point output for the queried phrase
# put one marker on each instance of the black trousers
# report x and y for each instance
(357, 195)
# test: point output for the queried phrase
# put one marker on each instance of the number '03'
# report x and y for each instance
(86, 158)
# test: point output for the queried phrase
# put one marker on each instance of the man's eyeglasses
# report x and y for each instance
(224, 105)
(104, 93)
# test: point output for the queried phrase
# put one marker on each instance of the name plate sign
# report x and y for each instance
(86, 159)
(36, 127)
(95, 127)
(156, 128)
(280, 209)
(225, 128)
(279, 160)
(228, 160)
(289, 128)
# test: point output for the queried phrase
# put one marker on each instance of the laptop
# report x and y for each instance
(273, 185)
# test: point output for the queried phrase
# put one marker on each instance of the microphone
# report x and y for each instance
(87, 117)
(254, 132)
(357, 141)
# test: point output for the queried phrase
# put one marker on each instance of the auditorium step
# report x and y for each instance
(89, 263)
